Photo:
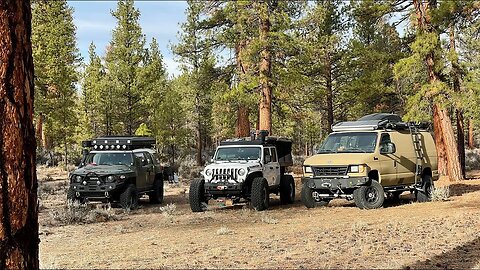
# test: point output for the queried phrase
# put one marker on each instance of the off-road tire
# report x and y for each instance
(71, 197)
(287, 189)
(425, 194)
(196, 196)
(129, 198)
(307, 197)
(260, 195)
(369, 197)
(156, 196)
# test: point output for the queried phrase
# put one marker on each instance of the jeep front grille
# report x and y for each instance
(330, 171)
(225, 174)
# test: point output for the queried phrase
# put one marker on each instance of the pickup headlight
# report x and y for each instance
(242, 172)
(208, 172)
(307, 169)
(111, 179)
(357, 168)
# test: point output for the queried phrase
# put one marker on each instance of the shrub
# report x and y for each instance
(268, 219)
(440, 194)
(224, 231)
(472, 159)
(168, 210)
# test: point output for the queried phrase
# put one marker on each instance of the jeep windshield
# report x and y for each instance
(106, 158)
(349, 142)
(238, 153)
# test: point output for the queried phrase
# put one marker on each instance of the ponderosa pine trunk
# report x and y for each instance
(329, 94)
(458, 111)
(242, 127)
(265, 108)
(18, 183)
(471, 140)
(447, 151)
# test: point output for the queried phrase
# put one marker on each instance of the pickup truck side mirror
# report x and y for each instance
(388, 148)
(268, 159)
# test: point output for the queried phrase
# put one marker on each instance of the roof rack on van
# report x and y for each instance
(379, 121)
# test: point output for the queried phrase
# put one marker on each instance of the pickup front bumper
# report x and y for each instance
(334, 183)
(97, 191)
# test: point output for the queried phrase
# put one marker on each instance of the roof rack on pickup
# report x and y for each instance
(379, 121)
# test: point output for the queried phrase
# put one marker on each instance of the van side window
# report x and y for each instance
(385, 139)
(274, 154)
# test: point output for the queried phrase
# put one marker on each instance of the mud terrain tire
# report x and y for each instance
(287, 190)
(129, 198)
(369, 197)
(307, 197)
(260, 195)
(156, 196)
(196, 196)
(425, 194)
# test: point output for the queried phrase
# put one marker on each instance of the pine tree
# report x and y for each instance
(95, 111)
(56, 61)
(194, 53)
(124, 61)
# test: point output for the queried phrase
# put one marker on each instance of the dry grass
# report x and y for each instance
(440, 193)
(435, 235)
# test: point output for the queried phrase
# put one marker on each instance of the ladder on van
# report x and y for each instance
(417, 146)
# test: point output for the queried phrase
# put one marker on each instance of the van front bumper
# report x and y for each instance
(334, 183)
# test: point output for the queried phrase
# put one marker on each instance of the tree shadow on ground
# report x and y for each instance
(466, 256)
(458, 189)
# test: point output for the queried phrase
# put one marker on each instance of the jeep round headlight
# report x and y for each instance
(111, 178)
(208, 172)
(242, 172)
(78, 179)
(307, 169)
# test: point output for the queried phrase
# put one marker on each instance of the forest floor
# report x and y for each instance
(434, 235)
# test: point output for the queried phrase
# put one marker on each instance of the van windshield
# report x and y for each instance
(349, 142)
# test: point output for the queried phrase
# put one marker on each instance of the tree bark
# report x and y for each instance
(458, 111)
(242, 128)
(471, 140)
(329, 96)
(243, 122)
(39, 130)
(265, 115)
(18, 183)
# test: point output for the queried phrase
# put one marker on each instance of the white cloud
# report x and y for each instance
(172, 67)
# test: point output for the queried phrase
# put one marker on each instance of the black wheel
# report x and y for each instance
(260, 196)
(287, 190)
(129, 198)
(72, 197)
(425, 194)
(198, 201)
(307, 196)
(156, 196)
(369, 197)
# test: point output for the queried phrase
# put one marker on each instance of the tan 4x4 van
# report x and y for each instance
(376, 157)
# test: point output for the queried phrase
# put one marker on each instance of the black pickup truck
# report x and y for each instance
(118, 169)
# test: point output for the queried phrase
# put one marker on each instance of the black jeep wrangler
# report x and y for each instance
(118, 169)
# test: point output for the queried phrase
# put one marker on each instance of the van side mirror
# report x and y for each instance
(388, 148)
(268, 159)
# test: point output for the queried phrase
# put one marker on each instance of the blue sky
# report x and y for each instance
(159, 19)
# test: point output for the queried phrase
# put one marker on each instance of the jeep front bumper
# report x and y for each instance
(223, 189)
(334, 183)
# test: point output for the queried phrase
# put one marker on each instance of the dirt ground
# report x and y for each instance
(434, 235)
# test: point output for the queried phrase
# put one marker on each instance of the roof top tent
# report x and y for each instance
(120, 143)
(378, 121)
(283, 146)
